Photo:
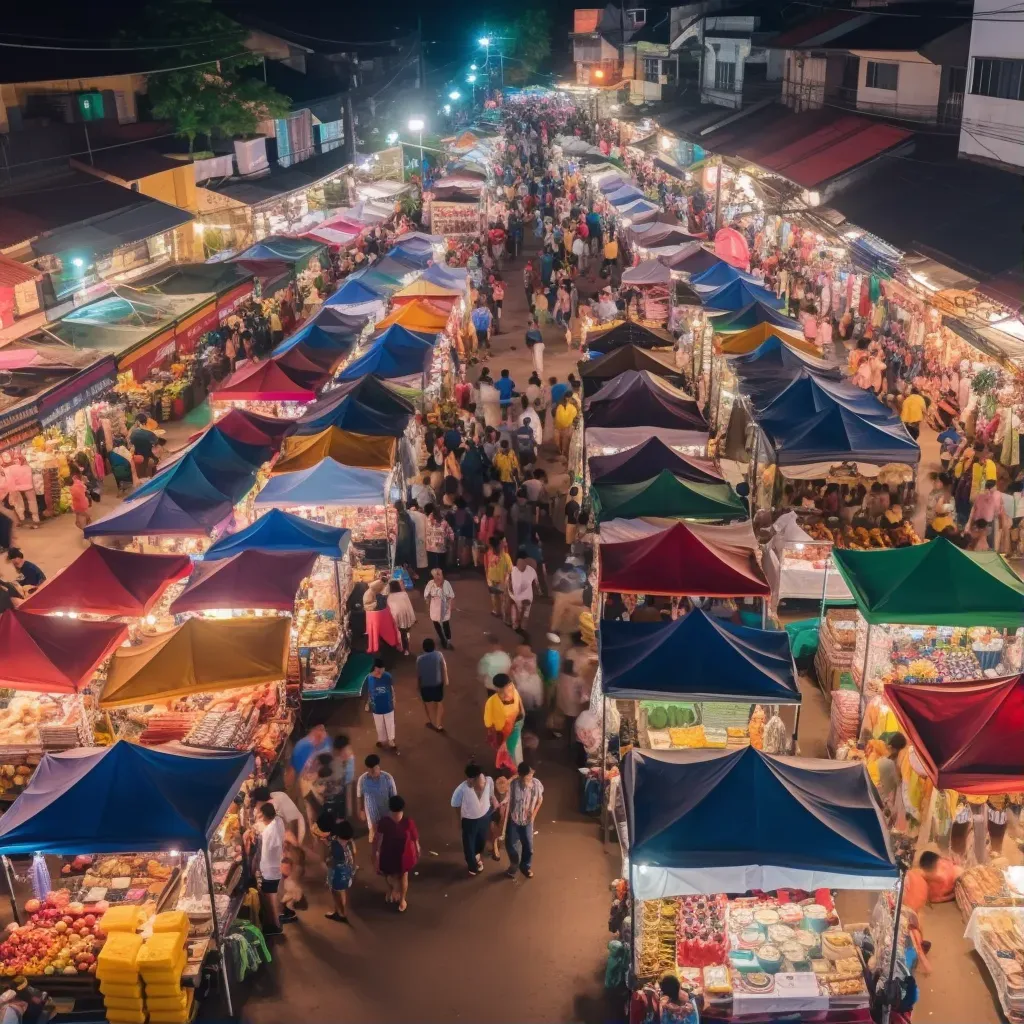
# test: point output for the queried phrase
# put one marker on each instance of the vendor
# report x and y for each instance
(29, 575)
(144, 441)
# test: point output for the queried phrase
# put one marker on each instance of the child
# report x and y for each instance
(341, 868)
(79, 500)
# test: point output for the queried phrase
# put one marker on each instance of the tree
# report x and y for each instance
(206, 89)
(532, 34)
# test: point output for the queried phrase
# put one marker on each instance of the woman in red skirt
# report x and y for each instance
(397, 849)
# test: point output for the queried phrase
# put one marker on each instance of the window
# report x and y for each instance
(652, 69)
(725, 76)
(1003, 79)
(882, 76)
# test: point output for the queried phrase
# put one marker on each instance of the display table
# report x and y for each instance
(997, 935)
(837, 638)
(987, 887)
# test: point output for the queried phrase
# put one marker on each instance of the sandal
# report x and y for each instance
(402, 907)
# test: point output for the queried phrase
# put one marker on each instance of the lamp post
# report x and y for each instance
(471, 81)
(485, 42)
(416, 125)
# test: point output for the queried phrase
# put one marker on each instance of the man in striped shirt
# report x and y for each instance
(526, 794)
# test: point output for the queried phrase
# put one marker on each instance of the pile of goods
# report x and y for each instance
(701, 931)
(861, 538)
(658, 925)
(166, 727)
(22, 723)
(59, 937)
(13, 779)
(129, 879)
(983, 885)
(999, 939)
(837, 641)
(222, 730)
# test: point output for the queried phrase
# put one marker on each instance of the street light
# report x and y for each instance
(454, 94)
(416, 125)
(599, 73)
(471, 79)
(472, 67)
(485, 41)
(447, 109)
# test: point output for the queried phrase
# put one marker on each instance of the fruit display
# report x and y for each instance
(59, 936)
(701, 932)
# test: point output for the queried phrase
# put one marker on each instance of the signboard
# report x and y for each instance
(228, 303)
(191, 329)
(142, 359)
(66, 398)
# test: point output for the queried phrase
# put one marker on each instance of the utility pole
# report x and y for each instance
(350, 130)
(718, 196)
(421, 78)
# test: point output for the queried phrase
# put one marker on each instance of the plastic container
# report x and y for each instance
(126, 1016)
(118, 959)
(167, 1004)
(164, 975)
(160, 952)
(122, 919)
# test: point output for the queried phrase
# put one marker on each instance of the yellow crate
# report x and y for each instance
(172, 921)
(121, 990)
(122, 918)
(164, 975)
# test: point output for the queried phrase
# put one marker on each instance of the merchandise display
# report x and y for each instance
(984, 886)
(321, 631)
(998, 938)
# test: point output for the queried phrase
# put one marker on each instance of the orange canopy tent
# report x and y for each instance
(360, 450)
(418, 315)
(438, 294)
(748, 340)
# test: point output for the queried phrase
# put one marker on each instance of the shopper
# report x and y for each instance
(503, 720)
(440, 537)
(341, 868)
(339, 795)
(316, 741)
(397, 850)
(271, 853)
(565, 414)
(381, 691)
(373, 790)
(432, 678)
(79, 501)
(506, 388)
(292, 821)
(401, 611)
(440, 598)
(495, 662)
(29, 575)
(497, 566)
(526, 795)
(535, 343)
(475, 802)
(482, 320)
(523, 584)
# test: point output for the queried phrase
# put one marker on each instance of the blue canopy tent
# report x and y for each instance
(697, 658)
(449, 277)
(315, 335)
(327, 483)
(163, 513)
(364, 406)
(774, 358)
(750, 316)
(285, 533)
(396, 353)
(625, 196)
(808, 393)
(416, 256)
(721, 274)
(735, 295)
(638, 206)
(335, 320)
(355, 292)
(805, 823)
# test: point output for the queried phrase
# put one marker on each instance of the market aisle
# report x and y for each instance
(481, 949)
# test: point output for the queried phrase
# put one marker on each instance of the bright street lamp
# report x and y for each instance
(472, 67)
(485, 41)
(416, 125)
(454, 94)
(471, 79)
(447, 109)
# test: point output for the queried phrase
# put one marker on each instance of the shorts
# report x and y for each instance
(339, 878)
(269, 886)
(495, 589)
(431, 694)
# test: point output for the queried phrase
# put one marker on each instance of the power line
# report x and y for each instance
(874, 12)
(119, 49)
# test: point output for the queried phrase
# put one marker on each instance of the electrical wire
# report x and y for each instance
(185, 44)
(875, 12)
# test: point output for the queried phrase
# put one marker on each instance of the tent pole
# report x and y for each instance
(9, 875)
(796, 726)
(633, 935)
(824, 589)
(764, 612)
(604, 747)
(864, 679)
(217, 937)
(891, 972)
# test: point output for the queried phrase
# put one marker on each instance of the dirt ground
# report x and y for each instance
(487, 948)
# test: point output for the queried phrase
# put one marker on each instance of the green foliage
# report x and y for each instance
(215, 97)
(532, 33)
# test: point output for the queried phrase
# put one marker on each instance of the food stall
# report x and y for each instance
(807, 824)
(107, 826)
(265, 387)
(648, 459)
(716, 341)
(656, 290)
(798, 566)
(320, 640)
(932, 613)
(364, 406)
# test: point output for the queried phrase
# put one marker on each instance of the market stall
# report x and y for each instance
(360, 450)
(669, 496)
(117, 818)
(265, 387)
(797, 565)
(607, 337)
(395, 354)
(251, 428)
(638, 397)
(653, 283)
(808, 824)
(595, 372)
(648, 459)
(931, 613)
(364, 406)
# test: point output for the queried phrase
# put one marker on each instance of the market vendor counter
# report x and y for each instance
(998, 938)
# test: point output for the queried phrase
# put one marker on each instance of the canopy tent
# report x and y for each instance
(775, 358)
(339, 236)
(418, 315)
(618, 439)
(320, 336)
(933, 584)
(637, 206)
(628, 332)
(283, 532)
(775, 400)
(647, 460)
(163, 514)
(53, 654)
(265, 381)
(638, 398)
(360, 450)
(413, 255)
(306, 366)
(667, 495)
(967, 735)
(249, 579)
(647, 272)
(753, 315)
(364, 406)
(354, 291)
(685, 559)
(698, 658)
(104, 581)
(200, 656)
(76, 802)
(452, 277)
(815, 441)
(722, 274)
(335, 320)
(424, 288)
(660, 235)
(693, 260)
(738, 295)
(746, 341)
(629, 357)
(390, 272)
(419, 236)
(253, 428)
(814, 823)
(626, 194)
(395, 353)
(289, 250)
(326, 483)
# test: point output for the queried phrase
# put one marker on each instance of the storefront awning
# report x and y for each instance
(283, 531)
(201, 656)
(249, 579)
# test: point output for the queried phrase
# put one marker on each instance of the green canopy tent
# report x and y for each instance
(667, 495)
(933, 584)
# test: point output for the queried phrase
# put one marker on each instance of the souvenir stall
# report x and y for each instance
(265, 387)
(930, 614)
(98, 835)
(51, 665)
(656, 291)
(595, 372)
(808, 824)
(320, 638)
(352, 498)
(798, 566)
(206, 685)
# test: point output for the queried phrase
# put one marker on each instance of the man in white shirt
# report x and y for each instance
(474, 800)
(287, 810)
(522, 581)
(271, 853)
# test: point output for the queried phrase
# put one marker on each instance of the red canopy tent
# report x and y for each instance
(967, 735)
(51, 654)
(266, 382)
(251, 428)
(102, 581)
(250, 579)
(685, 560)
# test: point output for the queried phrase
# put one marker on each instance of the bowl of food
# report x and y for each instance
(769, 956)
(815, 917)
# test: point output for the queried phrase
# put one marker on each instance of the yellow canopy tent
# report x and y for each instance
(746, 341)
(202, 656)
(419, 315)
(343, 446)
(426, 289)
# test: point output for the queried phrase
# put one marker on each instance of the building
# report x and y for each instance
(145, 171)
(992, 128)
(599, 37)
(649, 62)
(901, 61)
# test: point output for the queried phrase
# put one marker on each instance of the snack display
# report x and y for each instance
(998, 936)
(983, 885)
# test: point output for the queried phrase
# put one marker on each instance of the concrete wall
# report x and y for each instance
(729, 51)
(16, 94)
(917, 88)
(986, 116)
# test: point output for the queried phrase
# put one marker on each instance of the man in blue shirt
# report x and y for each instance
(315, 742)
(381, 691)
(506, 388)
(481, 317)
